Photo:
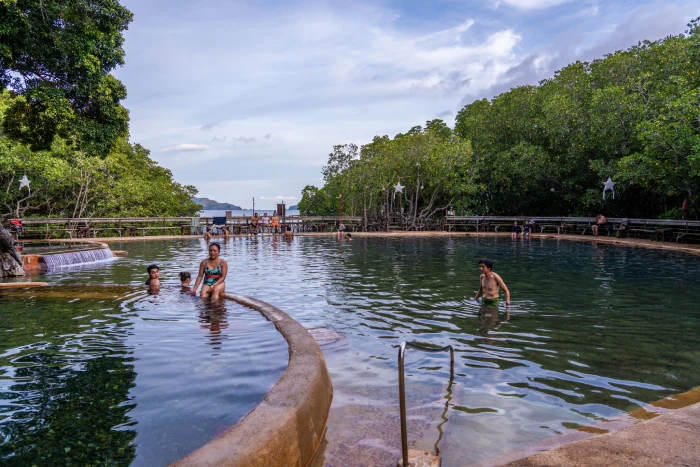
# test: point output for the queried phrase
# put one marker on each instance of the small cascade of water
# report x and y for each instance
(77, 257)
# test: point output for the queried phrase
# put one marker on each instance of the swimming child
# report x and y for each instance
(153, 280)
(348, 237)
(185, 279)
(213, 271)
(490, 284)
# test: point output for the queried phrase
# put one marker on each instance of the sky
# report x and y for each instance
(246, 99)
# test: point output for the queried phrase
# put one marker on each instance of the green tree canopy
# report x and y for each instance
(57, 55)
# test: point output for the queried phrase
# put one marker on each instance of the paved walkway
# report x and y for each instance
(672, 439)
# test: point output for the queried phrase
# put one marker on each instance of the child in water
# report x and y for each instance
(490, 284)
(185, 279)
(153, 281)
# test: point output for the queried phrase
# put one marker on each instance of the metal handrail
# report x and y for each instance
(402, 388)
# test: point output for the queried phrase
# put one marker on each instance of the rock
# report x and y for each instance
(9, 267)
(420, 458)
(324, 335)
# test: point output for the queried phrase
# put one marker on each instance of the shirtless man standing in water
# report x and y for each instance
(490, 282)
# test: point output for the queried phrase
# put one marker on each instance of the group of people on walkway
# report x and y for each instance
(257, 225)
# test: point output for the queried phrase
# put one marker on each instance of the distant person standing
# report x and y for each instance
(254, 224)
(288, 233)
(265, 223)
(275, 223)
(685, 208)
(490, 285)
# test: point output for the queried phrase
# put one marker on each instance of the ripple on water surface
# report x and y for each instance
(594, 331)
(142, 380)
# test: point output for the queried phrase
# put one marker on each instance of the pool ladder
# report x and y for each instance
(402, 387)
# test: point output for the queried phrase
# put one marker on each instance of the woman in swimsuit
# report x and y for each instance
(213, 270)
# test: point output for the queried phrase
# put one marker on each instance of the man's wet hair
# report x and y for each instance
(218, 247)
(486, 262)
(185, 275)
(289, 229)
(151, 267)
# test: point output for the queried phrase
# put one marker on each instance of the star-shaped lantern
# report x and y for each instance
(609, 185)
(398, 188)
(25, 182)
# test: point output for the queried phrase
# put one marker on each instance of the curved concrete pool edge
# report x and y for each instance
(288, 425)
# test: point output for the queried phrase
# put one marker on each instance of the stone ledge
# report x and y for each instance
(288, 425)
(670, 439)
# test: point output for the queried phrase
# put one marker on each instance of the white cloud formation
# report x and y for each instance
(534, 4)
(185, 147)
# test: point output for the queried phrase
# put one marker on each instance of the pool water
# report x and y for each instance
(112, 375)
(595, 331)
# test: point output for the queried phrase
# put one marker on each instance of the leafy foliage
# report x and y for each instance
(633, 115)
(57, 55)
(70, 183)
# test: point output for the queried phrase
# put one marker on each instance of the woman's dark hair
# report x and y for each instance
(349, 235)
(218, 247)
(185, 275)
(486, 262)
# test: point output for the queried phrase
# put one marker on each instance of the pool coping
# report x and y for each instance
(288, 425)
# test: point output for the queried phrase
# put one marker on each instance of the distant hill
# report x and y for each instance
(293, 208)
(211, 205)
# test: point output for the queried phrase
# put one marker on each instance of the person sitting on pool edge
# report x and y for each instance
(153, 281)
(213, 271)
(515, 231)
(490, 284)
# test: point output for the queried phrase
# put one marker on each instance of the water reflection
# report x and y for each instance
(594, 331)
(213, 317)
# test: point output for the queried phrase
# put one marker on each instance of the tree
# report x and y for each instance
(57, 55)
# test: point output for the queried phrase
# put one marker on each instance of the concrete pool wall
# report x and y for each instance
(288, 425)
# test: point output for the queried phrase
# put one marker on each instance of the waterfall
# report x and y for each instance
(77, 257)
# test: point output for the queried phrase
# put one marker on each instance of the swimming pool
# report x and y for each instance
(112, 375)
(595, 330)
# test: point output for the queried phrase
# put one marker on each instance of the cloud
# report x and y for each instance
(534, 4)
(278, 197)
(584, 44)
(245, 139)
(185, 147)
(342, 72)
